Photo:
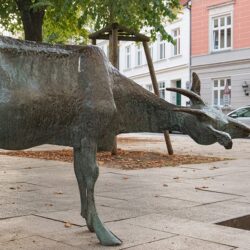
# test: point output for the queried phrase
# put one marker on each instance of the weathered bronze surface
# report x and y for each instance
(72, 96)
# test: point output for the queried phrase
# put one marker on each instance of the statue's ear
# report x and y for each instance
(196, 84)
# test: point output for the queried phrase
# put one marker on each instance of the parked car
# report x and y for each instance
(241, 114)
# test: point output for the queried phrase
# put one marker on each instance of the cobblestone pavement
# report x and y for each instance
(173, 208)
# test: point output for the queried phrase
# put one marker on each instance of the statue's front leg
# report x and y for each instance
(87, 172)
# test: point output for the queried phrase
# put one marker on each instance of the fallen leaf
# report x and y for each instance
(213, 168)
(58, 192)
(48, 204)
(67, 224)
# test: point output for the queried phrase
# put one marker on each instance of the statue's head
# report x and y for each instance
(207, 125)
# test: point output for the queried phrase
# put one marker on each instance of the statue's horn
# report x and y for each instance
(195, 112)
(195, 99)
(239, 125)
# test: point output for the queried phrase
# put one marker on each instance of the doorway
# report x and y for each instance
(176, 97)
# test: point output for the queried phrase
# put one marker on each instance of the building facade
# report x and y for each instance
(171, 62)
(221, 51)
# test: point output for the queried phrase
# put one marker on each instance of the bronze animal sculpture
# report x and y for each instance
(72, 96)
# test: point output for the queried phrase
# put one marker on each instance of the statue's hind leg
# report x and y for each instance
(87, 173)
(82, 185)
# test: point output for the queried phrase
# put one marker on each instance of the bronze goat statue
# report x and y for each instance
(72, 96)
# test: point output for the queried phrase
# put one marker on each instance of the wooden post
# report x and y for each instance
(156, 91)
(168, 143)
(151, 68)
(94, 41)
(114, 59)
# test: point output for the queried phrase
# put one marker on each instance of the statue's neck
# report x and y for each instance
(142, 111)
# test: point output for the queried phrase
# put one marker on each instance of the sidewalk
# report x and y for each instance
(160, 208)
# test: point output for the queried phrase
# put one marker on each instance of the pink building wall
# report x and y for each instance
(200, 25)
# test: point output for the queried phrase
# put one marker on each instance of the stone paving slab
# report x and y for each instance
(245, 199)
(227, 184)
(25, 226)
(132, 235)
(182, 243)
(106, 213)
(199, 230)
(155, 204)
(187, 192)
(148, 209)
(36, 243)
(214, 212)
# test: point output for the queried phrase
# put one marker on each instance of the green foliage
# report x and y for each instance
(9, 16)
(135, 14)
(59, 25)
(65, 19)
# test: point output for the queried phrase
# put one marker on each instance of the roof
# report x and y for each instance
(124, 34)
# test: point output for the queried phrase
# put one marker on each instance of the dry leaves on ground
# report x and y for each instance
(123, 160)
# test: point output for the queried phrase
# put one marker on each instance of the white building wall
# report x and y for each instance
(170, 69)
(233, 64)
(4, 32)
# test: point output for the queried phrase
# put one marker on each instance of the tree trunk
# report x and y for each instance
(32, 20)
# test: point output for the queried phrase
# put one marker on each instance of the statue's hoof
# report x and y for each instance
(109, 239)
(106, 237)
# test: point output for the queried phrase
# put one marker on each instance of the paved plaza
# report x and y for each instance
(173, 208)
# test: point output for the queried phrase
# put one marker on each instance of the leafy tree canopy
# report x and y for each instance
(134, 14)
(59, 23)
(64, 19)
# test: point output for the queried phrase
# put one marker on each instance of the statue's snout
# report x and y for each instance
(229, 145)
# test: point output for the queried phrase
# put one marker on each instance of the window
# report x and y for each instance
(138, 55)
(162, 49)
(177, 39)
(221, 33)
(162, 90)
(222, 92)
(127, 57)
(149, 87)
